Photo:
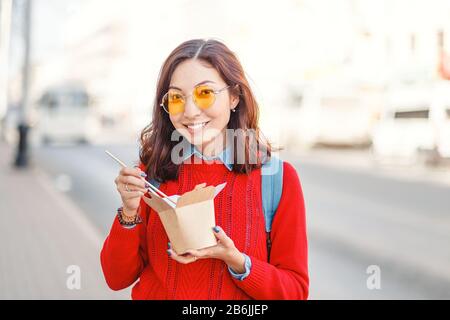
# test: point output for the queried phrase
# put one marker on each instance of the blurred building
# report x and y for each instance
(116, 48)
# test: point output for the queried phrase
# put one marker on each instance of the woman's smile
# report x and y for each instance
(195, 127)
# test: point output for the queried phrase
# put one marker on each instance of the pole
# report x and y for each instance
(23, 127)
(5, 31)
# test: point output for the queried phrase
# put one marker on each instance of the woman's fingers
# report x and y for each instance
(122, 188)
(217, 251)
(134, 184)
(224, 239)
(130, 180)
(204, 253)
(132, 172)
(132, 195)
(184, 259)
(131, 185)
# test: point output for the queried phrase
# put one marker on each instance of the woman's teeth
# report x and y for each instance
(197, 125)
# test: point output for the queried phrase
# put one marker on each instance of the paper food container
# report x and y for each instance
(189, 223)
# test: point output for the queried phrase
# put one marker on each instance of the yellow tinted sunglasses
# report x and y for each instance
(203, 96)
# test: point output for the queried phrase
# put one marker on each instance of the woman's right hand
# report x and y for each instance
(133, 179)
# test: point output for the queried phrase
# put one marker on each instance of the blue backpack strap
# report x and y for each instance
(271, 190)
(154, 183)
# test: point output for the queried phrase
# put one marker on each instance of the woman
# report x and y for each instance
(202, 95)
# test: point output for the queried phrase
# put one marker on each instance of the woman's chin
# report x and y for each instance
(201, 138)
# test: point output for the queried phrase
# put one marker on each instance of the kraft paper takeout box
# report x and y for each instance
(189, 223)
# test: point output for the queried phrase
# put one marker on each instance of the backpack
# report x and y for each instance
(271, 189)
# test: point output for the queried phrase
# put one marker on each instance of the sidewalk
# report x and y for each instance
(43, 233)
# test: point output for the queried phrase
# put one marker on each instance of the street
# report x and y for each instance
(356, 218)
(357, 96)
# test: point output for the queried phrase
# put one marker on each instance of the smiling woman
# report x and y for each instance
(202, 91)
(202, 94)
(206, 116)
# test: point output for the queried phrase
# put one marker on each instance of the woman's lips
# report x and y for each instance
(196, 127)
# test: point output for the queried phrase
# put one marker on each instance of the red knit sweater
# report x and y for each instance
(140, 253)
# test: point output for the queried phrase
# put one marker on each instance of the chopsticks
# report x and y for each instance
(152, 188)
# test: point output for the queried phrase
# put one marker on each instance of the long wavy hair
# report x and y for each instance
(156, 145)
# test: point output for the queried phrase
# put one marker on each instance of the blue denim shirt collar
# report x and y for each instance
(225, 156)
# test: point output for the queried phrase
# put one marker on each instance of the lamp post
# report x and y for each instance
(23, 126)
(5, 30)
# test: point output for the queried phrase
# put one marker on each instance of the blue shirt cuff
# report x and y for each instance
(129, 227)
(248, 266)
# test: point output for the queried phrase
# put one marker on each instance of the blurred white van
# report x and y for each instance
(338, 117)
(441, 108)
(414, 126)
(66, 114)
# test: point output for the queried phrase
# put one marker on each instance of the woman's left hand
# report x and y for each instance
(224, 250)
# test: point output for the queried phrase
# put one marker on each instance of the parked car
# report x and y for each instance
(414, 126)
(442, 106)
(66, 114)
(338, 117)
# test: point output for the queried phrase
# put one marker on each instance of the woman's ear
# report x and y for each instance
(234, 97)
(234, 102)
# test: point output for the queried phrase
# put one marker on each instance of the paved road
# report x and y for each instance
(88, 173)
(356, 218)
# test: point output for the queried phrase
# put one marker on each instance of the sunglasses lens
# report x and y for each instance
(204, 97)
(173, 102)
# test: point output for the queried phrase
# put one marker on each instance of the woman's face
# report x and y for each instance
(202, 127)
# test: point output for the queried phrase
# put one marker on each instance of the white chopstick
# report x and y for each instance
(152, 188)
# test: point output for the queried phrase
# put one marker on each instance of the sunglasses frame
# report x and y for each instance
(186, 97)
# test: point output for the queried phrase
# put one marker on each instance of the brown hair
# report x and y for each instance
(156, 144)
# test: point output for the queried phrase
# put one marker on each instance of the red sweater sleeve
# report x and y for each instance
(123, 256)
(286, 276)
(124, 252)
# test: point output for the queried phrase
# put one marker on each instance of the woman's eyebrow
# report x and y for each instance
(198, 84)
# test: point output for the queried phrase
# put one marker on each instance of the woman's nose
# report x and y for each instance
(191, 110)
